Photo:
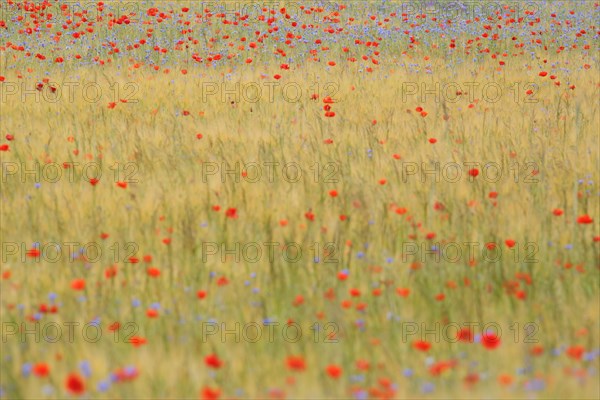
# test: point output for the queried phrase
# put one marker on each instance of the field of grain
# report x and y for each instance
(299, 200)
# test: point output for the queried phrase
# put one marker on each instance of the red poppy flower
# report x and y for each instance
(537, 350)
(362, 365)
(439, 367)
(33, 253)
(213, 361)
(110, 272)
(41, 369)
(465, 335)
(334, 371)
(421, 345)
(78, 284)
(298, 300)
(75, 384)
(137, 341)
(209, 393)
(575, 352)
(584, 219)
(114, 326)
(296, 363)
(222, 281)
(490, 340)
